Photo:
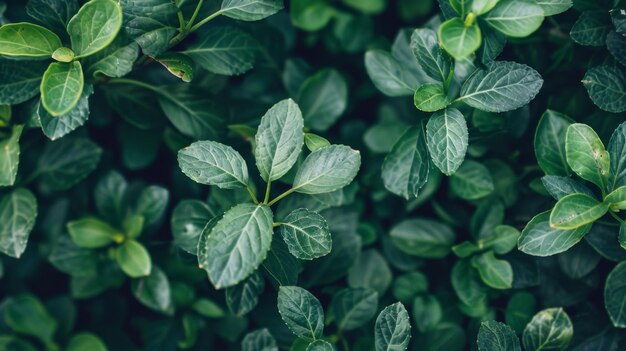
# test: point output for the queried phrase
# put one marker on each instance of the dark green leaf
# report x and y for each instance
(192, 114)
(435, 62)
(212, 163)
(250, 10)
(540, 239)
(66, 162)
(306, 234)
(259, 340)
(18, 212)
(471, 181)
(550, 329)
(550, 143)
(323, 98)
(606, 86)
(494, 272)
(55, 127)
(154, 291)
(19, 81)
(423, 238)
(405, 169)
(447, 139)
(52, 14)
(327, 170)
(496, 336)
(243, 297)
(301, 311)
(10, 156)
(591, 28)
(354, 307)
(615, 295)
(393, 328)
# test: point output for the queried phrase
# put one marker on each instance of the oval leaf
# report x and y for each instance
(327, 169)
(94, 26)
(447, 139)
(212, 163)
(27, 39)
(301, 311)
(61, 87)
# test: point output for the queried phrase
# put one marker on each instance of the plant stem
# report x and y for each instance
(193, 17)
(277, 224)
(136, 83)
(201, 23)
(267, 192)
(181, 21)
(279, 197)
(345, 344)
(616, 217)
(249, 188)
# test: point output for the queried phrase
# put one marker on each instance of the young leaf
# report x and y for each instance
(212, 163)
(494, 272)
(306, 234)
(447, 139)
(237, 245)
(431, 97)
(423, 238)
(459, 40)
(471, 181)
(591, 28)
(393, 328)
(301, 311)
(310, 15)
(540, 239)
(27, 39)
(433, 60)
(606, 86)
(496, 336)
(617, 153)
(250, 10)
(550, 329)
(550, 143)
(91, 232)
(86, 341)
(18, 81)
(389, 75)
(18, 212)
(323, 98)
(315, 142)
(503, 86)
(224, 50)
(279, 140)
(405, 169)
(327, 169)
(59, 126)
(259, 340)
(243, 297)
(66, 162)
(10, 156)
(134, 259)
(515, 18)
(576, 210)
(586, 154)
(94, 26)
(615, 295)
(502, 241)
(154, 291)
(61, 87)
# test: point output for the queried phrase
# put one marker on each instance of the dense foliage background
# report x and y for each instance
(185, 175)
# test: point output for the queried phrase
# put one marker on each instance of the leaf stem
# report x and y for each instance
(136, 83)
(193, 17)
(617, 217)
(201, 23)
(249, 188)
(267, 192)
(277, 224)
(181, 21)
(279, 197)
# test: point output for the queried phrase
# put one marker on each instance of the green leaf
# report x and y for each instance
(496, 336)
(212, 163)
(586, 154)
(306, 234)
(431, 97)
(53, 14)
(10, 156)
(480, 7)
(19, 81)
(389, 75)
(503, 86)
(554, 7)
(550, 329)
(423, 238)
(91, 232)
(320, 345)
(617, 153)
(559, 187)
(315, 142)
(72, 259)
(151, 23)
(467, 283)
(576, 210)
(311, 15)
(94, 26)
(134, 259)
(85, 341)
(55, 127)
(224, 50)
(188, 220)
(327, 170)
(243, 297)
(539, 238)
(433, 60)
(301, 311)
(18, 212)
(61, 87)
(447, 139)
(493, 44)
(606, 86)
(154, 291)
(353, 307)
(250, 10)
(427, 313)
(259, 340)
(370, 271)
(591, 28)
(25, 314)
(616, 43)
(519, 310)
(502, 241)
(27, 39)
(392, 331)
(405, 169)
(457, 39)
(279, 140)
(178, 65)
(616, 196)
(237, 245)
(208, 308)
(471, 181)
(116, 60)
(110, 196)
(192, 114)
(615, 295)
(281, 266)
(494, 272)
(323, 98)
(515, 18)
(66, 162)
(550, 143)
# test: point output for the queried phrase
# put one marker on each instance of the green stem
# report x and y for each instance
(136, 83)
(469, 20)
(204, 21)
(345, 344)
(249, 188)
(279, 197)
(267, 192)
(193, 17)
(617, 217)
(277, 224)
(181, 21)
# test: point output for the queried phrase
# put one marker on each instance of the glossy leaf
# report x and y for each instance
(431, 97)
(615, 295)
(447, 139)
(539, 238)
(61, 87)
(586, 154)
(515, 18)
(94, 26)
(494, 272)
(606, 86)
(423, 238)
(10, 156)
(327, 169)
(550, 329)
(550, 143)
(435, 62)
(457, 39)
(576, 210)
(134, 259)
(393, 328)
(27, 39)
(91, 232)
(212, 163)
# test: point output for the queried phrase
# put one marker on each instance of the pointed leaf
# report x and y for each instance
(496, 336)
(435, 62)
(212, 163)
(27, 39)
(393, 328)
(540, 239)
(301, 311)
(576, 210)
(615, 295)
(133, 259)
(457, 39)
(192, 113)
(18, 212)
(327, 169)
(405, 169)
(447, 139)
(61, 87)
(586, 154)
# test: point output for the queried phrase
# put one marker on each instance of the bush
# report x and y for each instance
(314, 175)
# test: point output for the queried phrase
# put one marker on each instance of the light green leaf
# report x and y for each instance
(354, 307)
(503, 86)
(91, 232)
(494, 272)
(116, 60)
(237, 244)
(310, 15)
(279, 140)
(133, 259)
(576, 210)
(18, 212)
(306, 234)
(496, 336)
(392, 331)
(301, 311)
(591, 28)
(480, 7)
(250, 10)
(540, 239)
(615, 295)
(94, 26)
(559, 187)
(433, 60)
(606, 86)
(66, 162)
(550, 329)
(457, 39)
(389, 75)
(19, 80)
(53, 14)
(431, 97)
(10, 156)
(212, 163)
(423, 238)
(179, 65)
(550, 143)
(259, 340)
(323, 98)
(617, 153)
(471, 181)
(192, 113)
(616, 196)
(224, 50)
(315, 142)
(515, 18)
(327, 169)
(25, 314)
(61, 87)
(447, 139)
(502, 241)
(154, 291)
(86, 341)
(554, 7)
(27, 39)
(586, 155)
(405, 169)
(243, 297)
(59, 126)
